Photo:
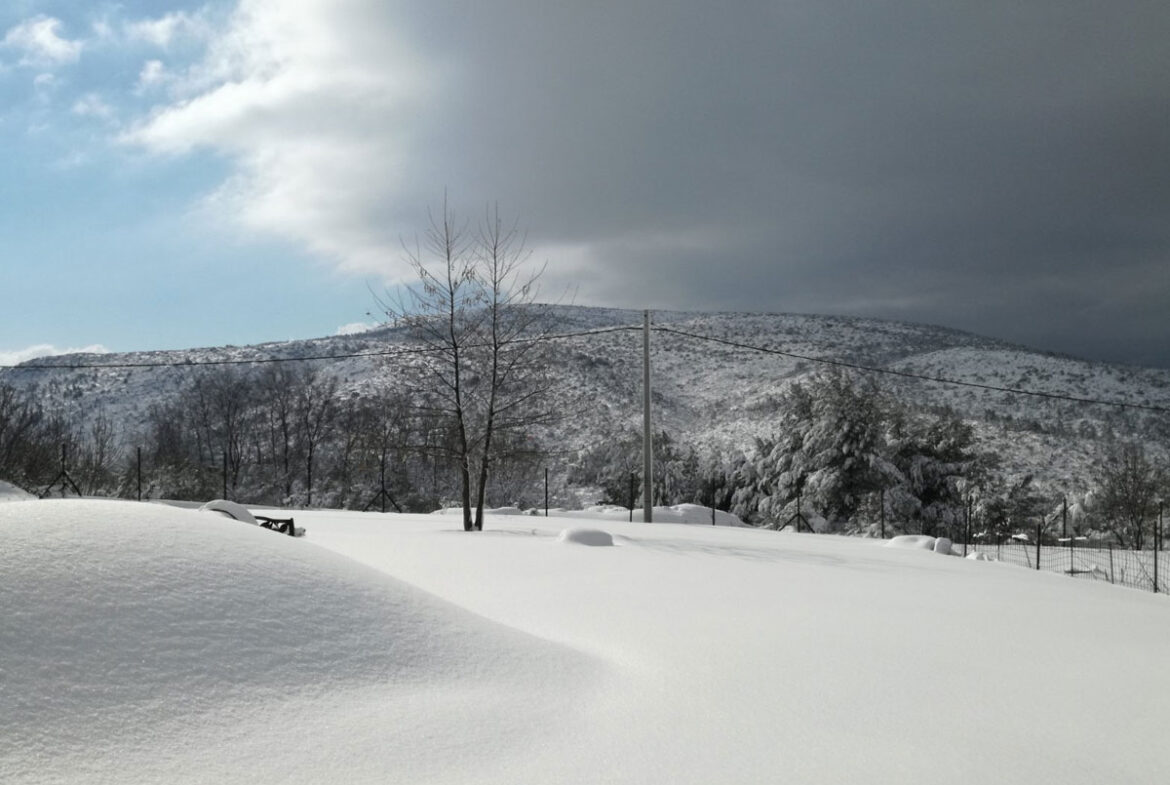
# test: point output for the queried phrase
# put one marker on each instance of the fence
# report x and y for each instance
(1124, 567)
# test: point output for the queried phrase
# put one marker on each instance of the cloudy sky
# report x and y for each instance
(185, 174)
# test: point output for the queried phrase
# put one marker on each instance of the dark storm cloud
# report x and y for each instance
(998, 167)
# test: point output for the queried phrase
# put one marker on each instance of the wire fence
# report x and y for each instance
(1145, 569)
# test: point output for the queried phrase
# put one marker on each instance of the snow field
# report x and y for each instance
(141, 638)
(134, 648)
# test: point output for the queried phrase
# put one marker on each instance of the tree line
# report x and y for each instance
(285, 436)
(846, 457)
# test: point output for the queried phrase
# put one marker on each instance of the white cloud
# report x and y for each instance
(311, 101)
(163, 31)
(38, 39)
(45, 350)
(92, 105)
(153, 74)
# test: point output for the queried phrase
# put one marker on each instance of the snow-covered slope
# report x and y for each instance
(143, 644)
(712, 394)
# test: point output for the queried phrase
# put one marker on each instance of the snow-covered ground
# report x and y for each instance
(143, 643)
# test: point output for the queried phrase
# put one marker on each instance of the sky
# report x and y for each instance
(193, 174)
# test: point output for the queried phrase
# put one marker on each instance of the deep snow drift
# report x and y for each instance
(142, 644)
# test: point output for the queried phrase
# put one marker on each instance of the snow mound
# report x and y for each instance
(145, 626)
(10, 493)
(233, 510)
(922, 542)
(980, 556)
(586, 537)
(679, 513)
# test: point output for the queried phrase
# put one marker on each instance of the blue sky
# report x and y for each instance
(234, 171)
(108, 244)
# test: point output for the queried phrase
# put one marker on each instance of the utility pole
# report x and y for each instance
(647, 442)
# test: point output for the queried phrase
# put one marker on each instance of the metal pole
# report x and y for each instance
(546, 491)
(225, 474)
(139, 452)
(1111, 562)
(1157, 536)
(631, 497)
(883, 512)
(712, 502)
(1039, 528)
(647, 441)
(966, 526)
(382, 480)
(1064, 518)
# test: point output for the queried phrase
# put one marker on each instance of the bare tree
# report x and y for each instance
(513, 352)
(473, 311)
(1129, 494)
(439, 310)
(315, 405)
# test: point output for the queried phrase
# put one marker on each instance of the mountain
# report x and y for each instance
(706, 391)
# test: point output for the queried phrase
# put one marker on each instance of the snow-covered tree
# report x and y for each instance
(831, 451)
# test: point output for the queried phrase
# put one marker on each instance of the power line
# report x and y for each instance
(578, 334)
(909, 375)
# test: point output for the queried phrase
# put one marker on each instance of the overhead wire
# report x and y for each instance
(911, 375)
(421, 350)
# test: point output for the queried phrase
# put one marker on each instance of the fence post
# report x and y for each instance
(382, 481)
(966, 526)
(546, 491)
(1039, 528)
(1157, 533)
(631, 497)
(225, 474)
(1111, 562)
(139, 452)
(882, 503)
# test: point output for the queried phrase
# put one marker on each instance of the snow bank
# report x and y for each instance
(10, 493)
(229, 509)
(922, 542)
(134, 629)
(679, 513)
(586, 537)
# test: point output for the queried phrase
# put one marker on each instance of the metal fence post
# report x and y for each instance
(1157, 534)
(631, 497)
(546, 491)
(139, 453)
(1111, 562)
(1039, 528)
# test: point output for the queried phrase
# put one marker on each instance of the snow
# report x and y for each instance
(143, 643)
(678, 513)
(586, 537)
(230, 509)
(10, 493)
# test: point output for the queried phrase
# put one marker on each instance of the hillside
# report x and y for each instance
(705, 393)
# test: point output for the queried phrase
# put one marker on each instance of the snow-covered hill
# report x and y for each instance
(711, 394)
